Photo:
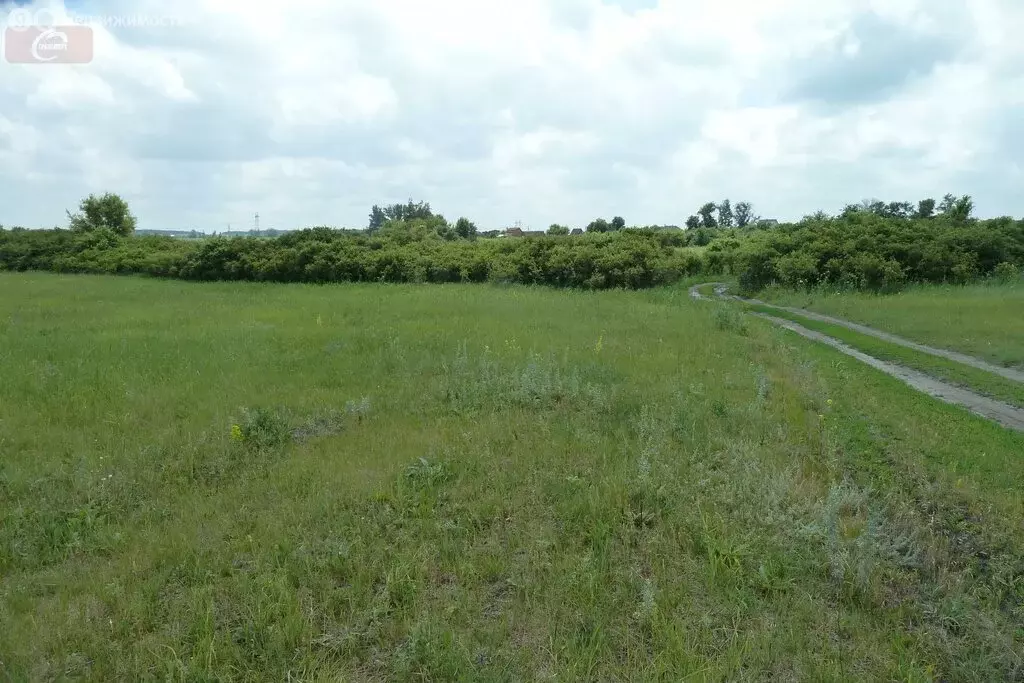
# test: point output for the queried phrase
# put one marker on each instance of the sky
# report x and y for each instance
(202, 113)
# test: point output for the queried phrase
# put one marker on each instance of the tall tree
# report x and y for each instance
(106, 211)
(962, 208)
(925, 208)
(377, 219)
(465, 229)
(947, 203)
(408, 211)
(692, 222)
(599, 225)
(707, 215)
(875, 206)
(725, 215)
(557, 229)
(899, 210)
(744, 214)
(852, 209)
(618, 223)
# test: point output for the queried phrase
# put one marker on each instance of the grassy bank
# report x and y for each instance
(373, 482)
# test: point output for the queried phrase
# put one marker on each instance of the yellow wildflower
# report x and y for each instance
(236, 433)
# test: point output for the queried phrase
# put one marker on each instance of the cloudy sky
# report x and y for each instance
(310, 111)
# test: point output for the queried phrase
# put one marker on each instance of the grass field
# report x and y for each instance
(269, 482)
(985, 320)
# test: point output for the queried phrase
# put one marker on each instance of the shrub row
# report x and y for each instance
(858, 250)
(629, 259)
(865, 251)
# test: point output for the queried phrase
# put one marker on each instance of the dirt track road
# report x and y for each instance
(1008, 416)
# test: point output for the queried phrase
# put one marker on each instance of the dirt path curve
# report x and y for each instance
(1002, 413)
(1009, 373)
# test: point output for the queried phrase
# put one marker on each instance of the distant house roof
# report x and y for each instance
(577, 231)
(514, 232)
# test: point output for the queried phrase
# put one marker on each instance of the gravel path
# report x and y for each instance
(1002, 413)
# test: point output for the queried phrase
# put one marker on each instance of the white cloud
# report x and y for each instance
(355, 99)
(539, 110)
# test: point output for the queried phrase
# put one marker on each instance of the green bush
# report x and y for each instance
(264, 429)
(397, 253)
(863, 250)
(1006, 273)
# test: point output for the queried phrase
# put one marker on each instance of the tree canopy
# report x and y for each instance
(108, 211)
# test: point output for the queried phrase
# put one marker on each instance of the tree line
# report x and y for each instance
(630, 259)
(872, 245)
(882, 247)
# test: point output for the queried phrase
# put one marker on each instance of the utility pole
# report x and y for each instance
(257, 224)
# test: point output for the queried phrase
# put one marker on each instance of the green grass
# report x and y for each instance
(980, 381)
(267, 482)
(985, 320)
(706, 290)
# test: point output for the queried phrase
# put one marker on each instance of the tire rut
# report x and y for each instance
(1006, 415)
(962, 358)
